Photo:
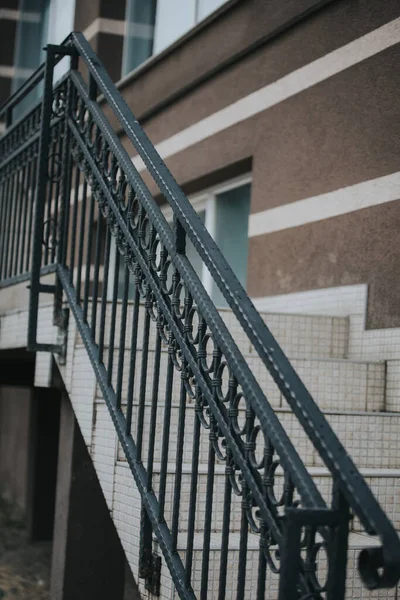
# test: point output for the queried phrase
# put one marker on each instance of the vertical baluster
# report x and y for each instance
(166, 427)
(132, 359)
(96, 273)
(13, 221)
(113, 319)
(82, 237)
(50, 186)
(226, 519)
(122, 334)
(289, 488)
(195, 457)
(74, 223)
(59, 172)
(208, 512)
(143, 377)
(25, 211)
(4, 221)
(194, 472)
(244, 529)
(153, 412)
(246, 508)
(31, 209)
(179, 456)
(20, 204)
(89, 236)
(103, 310)
(3, 182)
(66, 205)
(262, 566)
(210, 485)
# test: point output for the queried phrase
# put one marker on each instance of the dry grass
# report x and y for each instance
(24, 566)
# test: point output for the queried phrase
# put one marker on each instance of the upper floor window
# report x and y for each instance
(30, 39)
(152, 25)
(40, 22)
(224, 211)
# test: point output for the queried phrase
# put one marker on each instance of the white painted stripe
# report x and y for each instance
(332, 204)
(333, 302)
(282, 89)
(10, 72)
(139, 30)
(112, 26)
(9, 14)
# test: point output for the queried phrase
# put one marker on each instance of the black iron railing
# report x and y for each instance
(182, 397)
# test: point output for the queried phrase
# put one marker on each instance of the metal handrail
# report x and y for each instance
(91, 157)
(357, 493)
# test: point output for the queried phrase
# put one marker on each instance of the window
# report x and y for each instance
(152, 25)
(31, 38)
(225, 212)
(41, 22)
(139, 33)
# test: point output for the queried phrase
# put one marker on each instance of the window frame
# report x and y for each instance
(206, 201)
(157, 56)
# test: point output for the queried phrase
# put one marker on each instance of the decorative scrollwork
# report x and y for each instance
(123, 211)
(49, 239)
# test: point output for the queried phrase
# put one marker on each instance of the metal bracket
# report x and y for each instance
(60, 320)
(153, 574)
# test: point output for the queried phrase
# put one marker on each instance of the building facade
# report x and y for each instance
(279, 120)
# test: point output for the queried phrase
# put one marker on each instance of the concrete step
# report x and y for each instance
(354, 591)
(335, 384)
(384, 483)
(125, 513)
(371, 439)
(299, 335)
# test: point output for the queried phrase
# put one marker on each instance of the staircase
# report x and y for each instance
(224, 478)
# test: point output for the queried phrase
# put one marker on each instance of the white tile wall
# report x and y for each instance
(371, 439)
(103, 451)
(338, 385)
(82, 393)
(337, 301)
(43, 369)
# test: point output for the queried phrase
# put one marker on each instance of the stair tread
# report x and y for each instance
(313, 471)
(356, 540)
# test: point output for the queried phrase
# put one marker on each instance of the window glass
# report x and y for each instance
(30, 39)
(61, 23)
(138, 45)
(173, 19)
(231, 233)
(206, 7)
(29, 54)
(153, 25)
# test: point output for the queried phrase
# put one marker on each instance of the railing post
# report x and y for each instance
(8, 117)
(60, 315)
(40, 198)
(290, 557)
(336, 583)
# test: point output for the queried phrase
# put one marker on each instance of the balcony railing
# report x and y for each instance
(70, 196)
